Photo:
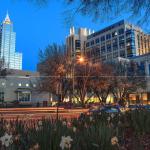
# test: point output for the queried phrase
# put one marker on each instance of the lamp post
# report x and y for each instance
(59, 87)
(59, 92)
(80, 60)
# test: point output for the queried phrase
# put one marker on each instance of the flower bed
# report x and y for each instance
(127, 131)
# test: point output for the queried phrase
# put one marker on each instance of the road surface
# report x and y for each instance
(39, 113)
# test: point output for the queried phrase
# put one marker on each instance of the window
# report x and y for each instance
(115, 47)
(3, 83)
(27, 85)
(108, 36)
(97, 52)
(109, 48)
(109, 56)
(121, 31)
(102, 38)
(103, 57)
(77, 44)
(103, 49)
(34, 85)
(92, 42)
(128, 43)
(97, 41)
(1, 96)
(129, 52)
(115, 54)
(87, 44)
(122, 45)
(121, 38)
(114, 33)
(24, 96)
(19, 84)
(122, 53)
(115, 40)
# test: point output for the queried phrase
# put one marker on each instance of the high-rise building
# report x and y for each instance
(12, 59)
(121, 39)
(75, 42)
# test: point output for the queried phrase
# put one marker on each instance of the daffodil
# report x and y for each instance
(91, 118)
(36, 146)
(74, 129)
(64, 123)
(114, 140)
(8, 126)
(40, 123)
(112, 115)
(65, 142)
(6, 140)
(108, 118)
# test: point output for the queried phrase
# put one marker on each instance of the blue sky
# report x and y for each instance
(37, 27)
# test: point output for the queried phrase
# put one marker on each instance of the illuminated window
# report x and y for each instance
(27, 85)
(19, 84)
(34, 85)
(3, 84)
(24, 96)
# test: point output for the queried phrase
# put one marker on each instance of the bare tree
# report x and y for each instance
(53, 70)
(109, 9)
(103, 9)
(127, 79)
(101, 83)
(84, 74)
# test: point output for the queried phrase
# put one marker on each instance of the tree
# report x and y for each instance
(127, 79)
(104, 9)
(84, 73)
(136, 74)
(109, 9)
(101, 82)
(53, 70)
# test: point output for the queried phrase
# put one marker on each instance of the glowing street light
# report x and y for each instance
(81, 59)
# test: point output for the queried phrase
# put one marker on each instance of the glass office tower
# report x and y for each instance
(12, 59)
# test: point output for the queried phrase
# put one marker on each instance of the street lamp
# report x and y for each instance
(79, 60)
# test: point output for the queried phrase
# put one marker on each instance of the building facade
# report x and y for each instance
(121, 41)
(118, 40)
(12, 59)
(21, 86)
(75, 42)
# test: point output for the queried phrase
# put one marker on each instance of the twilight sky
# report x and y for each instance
(37, 27)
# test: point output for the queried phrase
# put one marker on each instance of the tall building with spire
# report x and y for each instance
(12, 59)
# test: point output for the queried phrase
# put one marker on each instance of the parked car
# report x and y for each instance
(147, 107)
(133, 107)
(106, 109)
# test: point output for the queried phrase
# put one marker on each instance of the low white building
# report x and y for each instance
(21, 86)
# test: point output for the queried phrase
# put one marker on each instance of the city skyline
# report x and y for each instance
(38, 27)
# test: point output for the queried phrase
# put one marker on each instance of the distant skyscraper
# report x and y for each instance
(12, 59)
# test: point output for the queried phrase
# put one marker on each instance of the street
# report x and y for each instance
(39, 113)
